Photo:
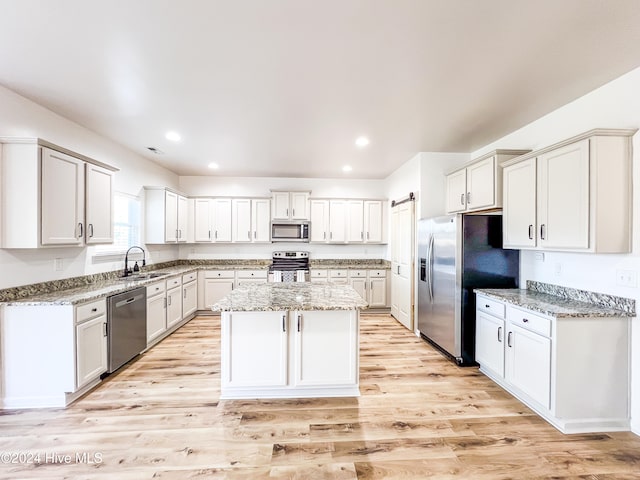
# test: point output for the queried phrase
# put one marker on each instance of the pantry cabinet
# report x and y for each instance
(53, 196)
(549, 364)
(478, 185)
(572, 196)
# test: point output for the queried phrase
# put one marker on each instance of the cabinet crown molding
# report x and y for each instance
(596, 132)
(487, 155)
(43, 143)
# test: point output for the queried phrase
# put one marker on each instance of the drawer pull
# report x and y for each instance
(525, 320)
(486, 305)
(94, 309)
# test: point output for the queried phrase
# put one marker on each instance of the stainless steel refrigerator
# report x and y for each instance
(456, 254)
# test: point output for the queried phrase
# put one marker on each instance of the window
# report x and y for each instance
(126, 224)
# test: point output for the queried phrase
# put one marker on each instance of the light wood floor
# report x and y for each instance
(419, 416)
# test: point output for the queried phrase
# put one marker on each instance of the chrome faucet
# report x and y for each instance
(127, 270)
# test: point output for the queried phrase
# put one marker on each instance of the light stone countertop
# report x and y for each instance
(263, 297)
(551, 305)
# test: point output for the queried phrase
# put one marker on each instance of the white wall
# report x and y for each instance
(615, 105)
(24, 118)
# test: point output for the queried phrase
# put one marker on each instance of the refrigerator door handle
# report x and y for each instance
(430, 267)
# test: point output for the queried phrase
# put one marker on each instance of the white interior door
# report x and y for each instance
(402, 264)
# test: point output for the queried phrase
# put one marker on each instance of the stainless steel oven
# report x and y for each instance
(289, 267)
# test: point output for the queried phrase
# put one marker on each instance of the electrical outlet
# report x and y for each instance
(627, 278)
(539, 256)
(557, 269)
(58, 264)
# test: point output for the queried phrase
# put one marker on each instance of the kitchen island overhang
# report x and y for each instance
(290, 340)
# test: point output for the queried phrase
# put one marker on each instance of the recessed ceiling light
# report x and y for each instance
(347, 168)
(173, 136)
(213, 166)
(362, 142)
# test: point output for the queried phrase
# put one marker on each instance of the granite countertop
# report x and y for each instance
(264, 297)
(557, 306)
(350, 264)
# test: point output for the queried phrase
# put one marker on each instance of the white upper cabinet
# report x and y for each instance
(319, 220)
(53, 197)
(241, 220)
(203, 217)
(99, 204)
(572, 196)
(478, 185)
(221, 220)
(260, 224)
(166, 216)
(347, 221)
(289, 205)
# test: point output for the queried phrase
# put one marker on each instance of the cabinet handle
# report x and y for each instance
(468, 198)
(179, 233)
(287, 214)
(216, 236)
(324, 235)
(398, 269)
(499, 334)
(330, 235)
(486, 305)
(543, 232)
(299, 321)
(361, 235)
(165, 302)
(104, 329)
(169, 300)
(367, 235)
(91, 230)
(81, 230)
(284, 323)
(530, 232)
(94, 309)
(525, 320)
(209, 234)
(255, 234)
(293, 212)
(185, 293)
(462, 199)
(371, 288)
(509, 339)
(249, 234)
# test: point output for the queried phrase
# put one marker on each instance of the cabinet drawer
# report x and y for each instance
(156, 289)
(253, 274)
(377, 273)
(358, 274)
(219, 274)
(174, 282)
(488, 305)
(529, 321)
(318, 274)
(189, 277)
(338, 273)
(91, 310)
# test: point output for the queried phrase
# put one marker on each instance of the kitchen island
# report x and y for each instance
(289, 340)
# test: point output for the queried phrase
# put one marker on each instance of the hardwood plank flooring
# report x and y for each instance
(419, 416)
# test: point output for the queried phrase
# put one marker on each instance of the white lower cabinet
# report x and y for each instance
(289, 354)
(156, 310)
(371, 285)
(91, 342)
(174, 301)
(215, 284)
(189, 294)
(572, 371)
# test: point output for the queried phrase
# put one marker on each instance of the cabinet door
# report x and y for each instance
(528, 363)
(355, 221)
(481, 184)
(457, 191)
(156, 316)
(378, 292)
(91, 350)
(563, 197)
(254, 349)
(62, 199)
(360, 286)
(299, 205)
(182, 221)
(98, 205)
(174, 306)
(326, 347)
(319, 220)
(241, 220)
(337, 221)
(373, 221)
(280, 206)
(170, 217)
(490, 336)
(215, 289)
(222, 220)
(260, 220)
(519, 197)
(202, 220)
(189, 298)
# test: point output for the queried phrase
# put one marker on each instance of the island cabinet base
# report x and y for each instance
(289, 354)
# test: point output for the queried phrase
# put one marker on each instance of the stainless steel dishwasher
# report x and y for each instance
(126, 326)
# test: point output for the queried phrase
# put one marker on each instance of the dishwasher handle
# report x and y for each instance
(123, 303)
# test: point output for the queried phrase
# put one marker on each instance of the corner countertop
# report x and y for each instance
(557, 306)
(266, 297)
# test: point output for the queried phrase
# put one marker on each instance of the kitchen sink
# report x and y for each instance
(142, 276)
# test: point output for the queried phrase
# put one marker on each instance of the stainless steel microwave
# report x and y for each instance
(294, 231)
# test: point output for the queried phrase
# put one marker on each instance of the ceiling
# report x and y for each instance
(284, 87)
